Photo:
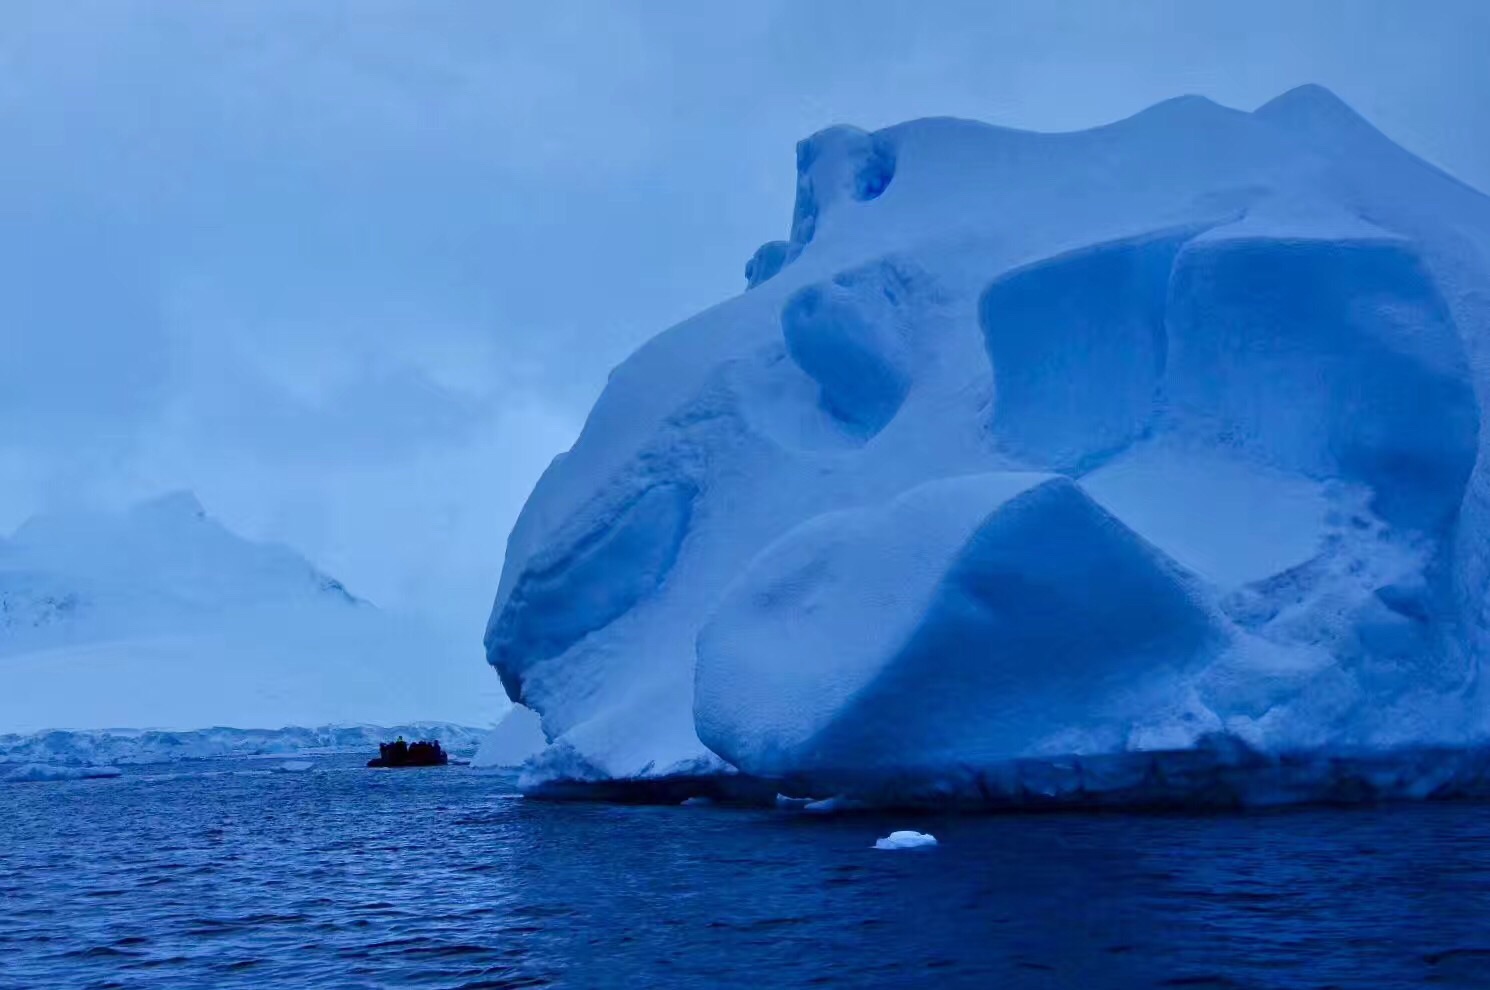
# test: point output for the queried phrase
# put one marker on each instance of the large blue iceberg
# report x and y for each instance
(1128, 464)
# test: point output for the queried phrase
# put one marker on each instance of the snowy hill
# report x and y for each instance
(160, 565)
(120, 747)
(161, 617)
(1036, 447)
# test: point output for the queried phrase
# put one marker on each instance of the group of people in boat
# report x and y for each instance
(424, 753)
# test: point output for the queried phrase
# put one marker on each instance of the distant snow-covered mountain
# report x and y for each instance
(159, 616)
(119, 747)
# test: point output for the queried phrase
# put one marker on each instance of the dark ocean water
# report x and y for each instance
(229, 875)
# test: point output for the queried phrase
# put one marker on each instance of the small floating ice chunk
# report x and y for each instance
(516, 738)
(782, 801)
(906, 840)
(698, 802)
(295, 766)
(832, 805)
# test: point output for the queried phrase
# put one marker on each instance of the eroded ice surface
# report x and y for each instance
(1032, 451)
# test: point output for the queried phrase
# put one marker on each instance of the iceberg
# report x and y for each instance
(1132, 465)
(511, 741)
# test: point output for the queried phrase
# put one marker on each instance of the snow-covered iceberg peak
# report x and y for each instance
(1038, 447)
(840, 165)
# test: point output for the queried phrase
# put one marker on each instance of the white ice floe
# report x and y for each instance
(906, 840)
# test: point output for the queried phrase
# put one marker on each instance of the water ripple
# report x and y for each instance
(209, 876)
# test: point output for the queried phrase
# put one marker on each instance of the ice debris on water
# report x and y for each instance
(906, 840)
(42, 772)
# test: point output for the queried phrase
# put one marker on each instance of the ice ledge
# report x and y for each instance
(1221, 774)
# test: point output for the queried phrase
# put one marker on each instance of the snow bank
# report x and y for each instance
(1032, 458)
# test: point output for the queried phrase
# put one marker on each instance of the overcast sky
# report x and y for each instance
(354, 272)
